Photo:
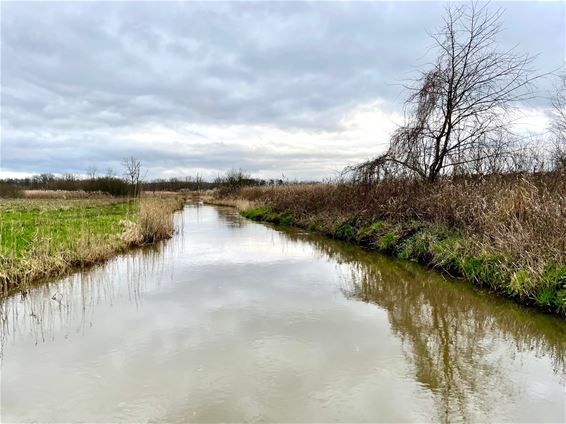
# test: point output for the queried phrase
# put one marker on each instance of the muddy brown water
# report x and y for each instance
(236, 321)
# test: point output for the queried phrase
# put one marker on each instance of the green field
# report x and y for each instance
(45, 238)
(59, 227)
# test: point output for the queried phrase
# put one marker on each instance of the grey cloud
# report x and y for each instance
(71, 70)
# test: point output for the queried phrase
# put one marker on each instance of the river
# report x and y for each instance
(232, 320)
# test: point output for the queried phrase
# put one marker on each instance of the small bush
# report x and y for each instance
(154, 221)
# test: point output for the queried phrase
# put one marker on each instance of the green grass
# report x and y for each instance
(46, 238)
(266, 214)
(60, 228)
(343, 231)
(365, 233)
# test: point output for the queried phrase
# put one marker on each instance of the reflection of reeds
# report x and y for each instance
(502, 232)
(44, 239)
(67, 306)
(457, 339)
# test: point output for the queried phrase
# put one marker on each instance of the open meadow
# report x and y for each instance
(46, 237)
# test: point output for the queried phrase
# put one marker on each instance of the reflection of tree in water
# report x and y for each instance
(68, 306)
(457, 339)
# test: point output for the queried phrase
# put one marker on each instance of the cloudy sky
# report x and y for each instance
(300, 89)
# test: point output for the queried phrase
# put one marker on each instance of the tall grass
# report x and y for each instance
(504, 232)
(41, 239)
(153, 222)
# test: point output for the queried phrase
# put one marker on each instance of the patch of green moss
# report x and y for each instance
(553, 295)
(315, 227)
(546, 298)
(520, 283)
(555, 276)
(415, 247)
(256, 214)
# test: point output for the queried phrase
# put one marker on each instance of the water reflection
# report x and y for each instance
(68, 306)
(276, 318)
(458, 338)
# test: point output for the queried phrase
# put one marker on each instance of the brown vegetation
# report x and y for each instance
(505, 232)
(153, 222)
(63, 194)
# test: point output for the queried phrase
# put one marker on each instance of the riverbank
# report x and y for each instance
(47, 238)
(505, 234)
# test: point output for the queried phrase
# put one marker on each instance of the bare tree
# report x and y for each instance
(132, 172)
(457, 111)
(198, 181)
(91, 172)
(558, 125)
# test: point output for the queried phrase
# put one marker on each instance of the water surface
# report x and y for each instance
(236, 321)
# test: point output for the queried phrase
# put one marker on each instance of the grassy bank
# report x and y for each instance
(42, 238)
(506, 234)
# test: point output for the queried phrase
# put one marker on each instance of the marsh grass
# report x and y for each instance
(47, 238)
(505, 233)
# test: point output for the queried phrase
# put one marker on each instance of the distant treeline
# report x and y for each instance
(12, 187)
(104, 184)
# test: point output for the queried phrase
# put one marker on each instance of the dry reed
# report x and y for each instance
(505, 232)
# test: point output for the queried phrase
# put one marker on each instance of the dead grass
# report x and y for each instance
(504, 232)
(240, 204)
(153, 222)
(63, 194)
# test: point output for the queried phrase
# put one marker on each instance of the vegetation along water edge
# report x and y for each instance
(46, 238)
(502, 233)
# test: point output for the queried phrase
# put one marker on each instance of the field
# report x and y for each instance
(42, 238)
(504, 233)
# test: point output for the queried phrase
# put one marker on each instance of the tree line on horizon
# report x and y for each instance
(132, 182)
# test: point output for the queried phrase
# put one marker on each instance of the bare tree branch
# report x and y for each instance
(458, 109)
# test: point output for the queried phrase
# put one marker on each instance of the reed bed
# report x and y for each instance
(46, 238)
(63, 194)
(503, 232)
